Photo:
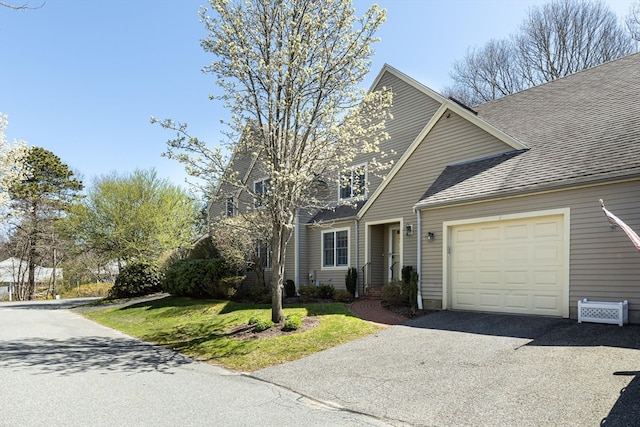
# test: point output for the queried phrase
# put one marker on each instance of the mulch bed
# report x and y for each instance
(405, 310)
(246, 332)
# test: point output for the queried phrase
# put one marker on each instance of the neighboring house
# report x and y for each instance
(13, 270)
(497, 206)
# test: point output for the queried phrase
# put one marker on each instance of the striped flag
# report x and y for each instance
(617, 222)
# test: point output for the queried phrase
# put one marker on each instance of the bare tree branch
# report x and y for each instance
(21, 7)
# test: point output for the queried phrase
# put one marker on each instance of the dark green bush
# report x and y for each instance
(351, 280)
(325, 291)
(342, 295)
(307, 292)
(262, 325)
(137, 278)
(392, 293)
(260, 294)
(406, 273)
(410, 291)
(292, 323)
(204, 249)
(289, 289)
(198, 278)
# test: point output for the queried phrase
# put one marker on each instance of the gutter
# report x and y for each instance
(297, 249)
(419, 255)
(357, 239)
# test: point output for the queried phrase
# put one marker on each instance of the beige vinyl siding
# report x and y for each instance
(330, 276)
(451, 140)
(244, 163)
(290, 260)
(604, 264)
(411, 111)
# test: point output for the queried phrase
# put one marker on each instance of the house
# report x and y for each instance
(495, 206)
(14, 270)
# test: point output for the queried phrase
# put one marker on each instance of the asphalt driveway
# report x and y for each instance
(455, 368)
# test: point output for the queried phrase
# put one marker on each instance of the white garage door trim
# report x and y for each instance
(447, 227)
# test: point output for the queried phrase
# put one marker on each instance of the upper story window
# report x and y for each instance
(353, 182)
(228, 207)
(260, 189)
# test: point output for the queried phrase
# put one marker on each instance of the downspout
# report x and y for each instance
(357, 253)
(296, 266)
(419, 253)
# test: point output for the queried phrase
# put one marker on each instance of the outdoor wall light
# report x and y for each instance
(408, 230)
(430, 236)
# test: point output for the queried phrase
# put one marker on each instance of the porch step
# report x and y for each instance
(373, 292)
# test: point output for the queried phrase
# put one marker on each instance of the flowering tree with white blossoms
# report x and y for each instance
(11, 156)
(289, 73)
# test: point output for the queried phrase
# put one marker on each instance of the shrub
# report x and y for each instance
(289, 289)
(292, 323)
(260, 294)
(392, 293)
(343, 296)
(410, 291)
(325, 291)
(253, 320)
(351, 280)
(197, 278)
(204, 249)
(229, 286)
(406, 273)
(138, 278)
(262, 325)
(307, 292)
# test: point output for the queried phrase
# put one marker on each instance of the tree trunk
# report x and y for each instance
(278, 248)
(32, 275)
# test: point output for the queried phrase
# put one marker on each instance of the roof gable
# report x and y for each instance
(581, 129)
(447, 107)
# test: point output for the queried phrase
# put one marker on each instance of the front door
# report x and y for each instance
(394, 254)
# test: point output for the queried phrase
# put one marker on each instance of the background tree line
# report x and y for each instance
(555, 40)
(51, 220)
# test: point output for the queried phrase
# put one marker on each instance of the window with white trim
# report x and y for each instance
(335, 248)
(228, 207)
(260, 189)
(353, 182)
(264, 254)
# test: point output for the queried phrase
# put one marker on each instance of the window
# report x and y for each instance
(353, 182)
(228, 207)
(264, 254)
(260, 189)
(335, 248)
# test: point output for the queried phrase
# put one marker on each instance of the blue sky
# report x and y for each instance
(81, 78)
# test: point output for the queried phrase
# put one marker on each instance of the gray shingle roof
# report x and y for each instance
(339, 212)
(580, 129)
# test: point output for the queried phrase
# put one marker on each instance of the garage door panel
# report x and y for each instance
(488, 234)
(547, 302)
(513, 266)
(465, 299)
(546, 229)
(516, 254)
(516, 232)
(489, 301)
(516, 302)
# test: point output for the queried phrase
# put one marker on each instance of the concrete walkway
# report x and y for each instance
(372, 310)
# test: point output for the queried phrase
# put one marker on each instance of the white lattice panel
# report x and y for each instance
(603, 312)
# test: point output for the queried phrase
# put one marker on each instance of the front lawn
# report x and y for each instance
(209, 329)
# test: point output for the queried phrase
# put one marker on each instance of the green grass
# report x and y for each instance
(199, 328)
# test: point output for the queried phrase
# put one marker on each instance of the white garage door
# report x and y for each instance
(514, 266)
